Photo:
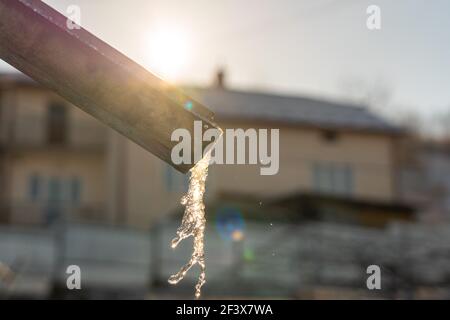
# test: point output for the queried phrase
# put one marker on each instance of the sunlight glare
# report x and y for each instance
(168, 52)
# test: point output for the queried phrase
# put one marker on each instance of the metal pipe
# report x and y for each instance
(36, 39)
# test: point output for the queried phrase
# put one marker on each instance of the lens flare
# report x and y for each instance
(229, 224)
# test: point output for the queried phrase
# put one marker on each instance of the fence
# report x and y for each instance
(111, 260)
(271, 260)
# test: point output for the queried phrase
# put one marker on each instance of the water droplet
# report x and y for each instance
(193, 223)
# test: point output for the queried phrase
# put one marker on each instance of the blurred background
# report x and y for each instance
(364, 175)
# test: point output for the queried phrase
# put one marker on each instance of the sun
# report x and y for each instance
(168, 52)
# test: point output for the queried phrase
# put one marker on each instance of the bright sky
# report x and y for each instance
(316, 47)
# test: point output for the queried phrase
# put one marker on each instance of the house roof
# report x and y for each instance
(247, 105)
(231, 104)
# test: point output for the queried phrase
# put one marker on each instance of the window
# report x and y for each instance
(75, 189)
(175, 181)
(54, 190)
(34, 187)
(330, 135)
(333, 178)
(322, 177)
(57, 124)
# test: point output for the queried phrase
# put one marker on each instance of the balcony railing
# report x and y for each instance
(41, 214)
(34, 132)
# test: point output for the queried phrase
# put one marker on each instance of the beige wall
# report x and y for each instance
(87, 168)
(139, 194)
(369, 156)
(60, 164)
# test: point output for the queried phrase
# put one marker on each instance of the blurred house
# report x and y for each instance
(338, 164)
(333, 151)
(52, 157)
(58, 162)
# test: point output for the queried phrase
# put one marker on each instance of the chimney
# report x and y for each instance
(220, 79)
